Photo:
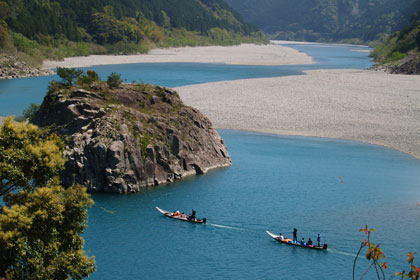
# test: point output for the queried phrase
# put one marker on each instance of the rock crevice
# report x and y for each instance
(124, 139)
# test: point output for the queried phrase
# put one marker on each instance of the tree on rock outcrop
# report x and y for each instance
(68, 75)
(114, 80)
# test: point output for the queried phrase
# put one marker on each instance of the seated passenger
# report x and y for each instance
(302, 242)
(310, 242)
(281, 237)
(183, 215)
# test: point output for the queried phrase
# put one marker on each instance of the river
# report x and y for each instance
(276, 183)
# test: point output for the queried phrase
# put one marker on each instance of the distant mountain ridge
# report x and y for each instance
(327, 20)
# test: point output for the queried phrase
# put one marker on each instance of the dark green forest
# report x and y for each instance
(80, 27)
(400, 44)
(328, 20)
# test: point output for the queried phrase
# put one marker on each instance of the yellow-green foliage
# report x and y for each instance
(40, 234)
(40, 221)
(29, 157)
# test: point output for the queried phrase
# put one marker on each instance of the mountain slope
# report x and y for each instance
(332, 20)
(81, 27)
(400, 52)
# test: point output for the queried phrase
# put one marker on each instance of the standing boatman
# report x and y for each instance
(319, 240)
(295, 235)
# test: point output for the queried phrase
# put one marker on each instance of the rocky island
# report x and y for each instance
(132, 136)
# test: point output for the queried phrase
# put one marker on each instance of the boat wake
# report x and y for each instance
(227, 227)
(341, 253)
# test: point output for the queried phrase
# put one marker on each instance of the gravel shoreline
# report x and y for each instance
(245, 54)
(361, 105)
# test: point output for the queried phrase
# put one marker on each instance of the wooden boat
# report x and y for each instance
(289, 241)
(170, 215)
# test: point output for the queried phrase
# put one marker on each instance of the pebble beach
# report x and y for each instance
(362, 105)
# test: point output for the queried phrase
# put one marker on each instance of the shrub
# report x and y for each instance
(68, 75)
(88, 78)
(114, 80)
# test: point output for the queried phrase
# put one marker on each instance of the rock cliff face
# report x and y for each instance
(409, 65)
(121, 140)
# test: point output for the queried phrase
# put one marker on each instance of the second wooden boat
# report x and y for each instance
(289, 241)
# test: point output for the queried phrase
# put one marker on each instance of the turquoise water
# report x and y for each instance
(276, 183)
(18, 94)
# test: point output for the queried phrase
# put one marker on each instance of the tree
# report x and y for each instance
(29, 157)
(68, 75)
(40, 222)
(40, 234)
(88, 78)
(114, 80)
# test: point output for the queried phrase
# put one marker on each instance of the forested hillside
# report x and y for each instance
(400, 51)
(328, 20)
(79, 27)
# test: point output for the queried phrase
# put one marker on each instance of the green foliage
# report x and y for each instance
(30, 112)
(4, 35)
(4, 10)
(24, 44)
(29, 157)
(40, 234)
(68, 75)
(114, 80)
(88, 78)
(399, 44)
(57, 29)
(40, 222)
(54, 86)
(327, 20)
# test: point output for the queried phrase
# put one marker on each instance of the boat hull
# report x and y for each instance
(169, 215)
(288, 242)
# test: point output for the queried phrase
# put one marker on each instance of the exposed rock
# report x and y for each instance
(128, 138)
(409, 65)
(11, 67)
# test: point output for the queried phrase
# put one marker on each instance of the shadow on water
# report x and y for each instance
(275, 183)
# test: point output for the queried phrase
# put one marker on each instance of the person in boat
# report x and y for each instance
(310, 242)
(183, 215)
(302, 242)
(281, 237)
(318, 239)
(295, 235)
(191, 217)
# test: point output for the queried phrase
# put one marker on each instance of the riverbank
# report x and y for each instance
(361, 105)
(245, 54)
(11, 67)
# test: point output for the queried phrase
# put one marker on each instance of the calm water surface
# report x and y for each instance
(16, 95)
(275, 183)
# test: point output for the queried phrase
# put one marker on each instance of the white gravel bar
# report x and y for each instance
(368, 106)
(245, 54)
(362, 105)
